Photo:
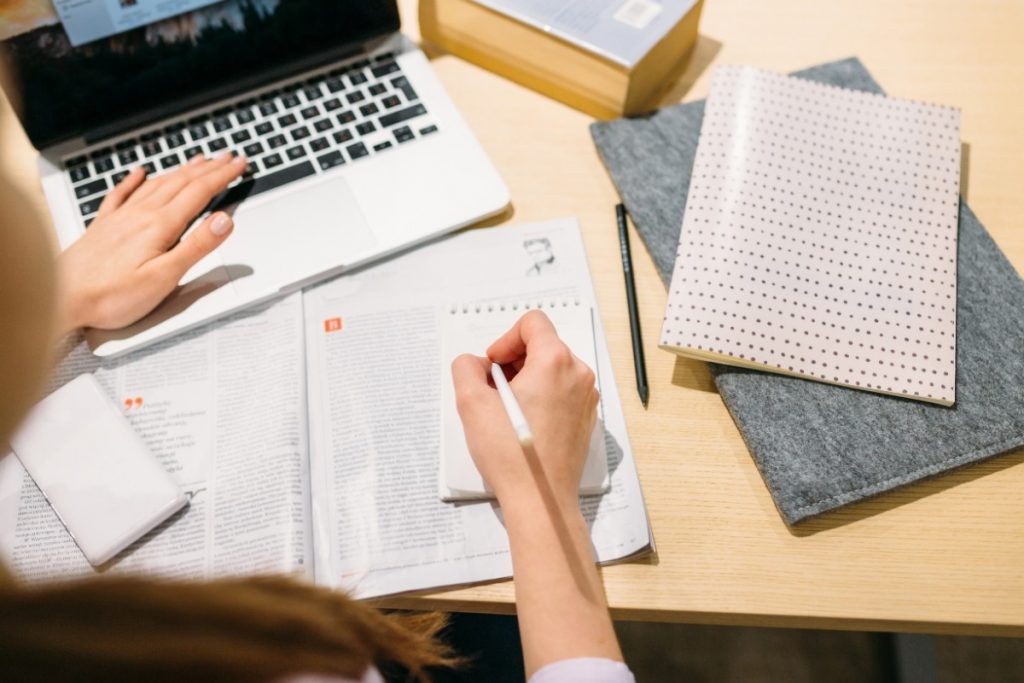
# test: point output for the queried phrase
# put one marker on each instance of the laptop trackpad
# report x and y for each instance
(295, 235)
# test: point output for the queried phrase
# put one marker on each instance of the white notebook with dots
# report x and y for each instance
(820, 237)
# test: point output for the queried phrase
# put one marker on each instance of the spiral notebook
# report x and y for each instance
(820, 236)
(471, 328)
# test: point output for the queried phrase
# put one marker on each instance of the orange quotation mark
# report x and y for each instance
(332, 325)
(130, 402)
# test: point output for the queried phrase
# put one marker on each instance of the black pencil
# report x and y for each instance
(634, 315)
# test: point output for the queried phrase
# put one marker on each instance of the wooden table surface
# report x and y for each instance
(942, 556)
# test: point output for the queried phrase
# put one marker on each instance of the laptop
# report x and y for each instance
(356, 152)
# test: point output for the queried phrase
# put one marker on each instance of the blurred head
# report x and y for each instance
(26, 294)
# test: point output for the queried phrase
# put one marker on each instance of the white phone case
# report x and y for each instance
(106, 486)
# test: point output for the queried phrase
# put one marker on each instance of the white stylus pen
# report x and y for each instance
(515, 413)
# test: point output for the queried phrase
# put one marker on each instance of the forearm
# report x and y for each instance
(560, 600)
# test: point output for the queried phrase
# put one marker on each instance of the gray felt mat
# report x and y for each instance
(819, 446)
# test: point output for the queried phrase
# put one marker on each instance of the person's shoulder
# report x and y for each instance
(584, 670)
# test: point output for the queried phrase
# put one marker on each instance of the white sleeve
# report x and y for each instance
(584, 670)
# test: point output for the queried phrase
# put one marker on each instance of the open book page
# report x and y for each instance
(374, 344)
(223, 409)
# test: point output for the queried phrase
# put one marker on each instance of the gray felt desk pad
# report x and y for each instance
(820, 446)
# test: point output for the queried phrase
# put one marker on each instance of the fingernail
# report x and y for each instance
(241, 160)
(221, 224)
(225, 155)
(196, 159)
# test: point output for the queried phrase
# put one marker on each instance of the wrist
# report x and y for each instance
(529, 506)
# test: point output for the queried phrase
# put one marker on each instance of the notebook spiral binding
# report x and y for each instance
(516, 305)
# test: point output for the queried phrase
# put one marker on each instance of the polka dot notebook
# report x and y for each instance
(819, 238)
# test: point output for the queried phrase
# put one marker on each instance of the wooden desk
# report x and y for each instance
(943, 556)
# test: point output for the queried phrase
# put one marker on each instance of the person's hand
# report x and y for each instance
(130, 258)
(559, 400)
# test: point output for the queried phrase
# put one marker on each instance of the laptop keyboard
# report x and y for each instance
(290, 132)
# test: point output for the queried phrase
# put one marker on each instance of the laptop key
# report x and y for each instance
(401, 115)
(358, 78)
(276, 141)
(88, 220)
(251, 169)
(240, 137)
(263, 128)
(273, 161)
(323, 125)
(311, 112)
(357, 150)
(103, 165)
(402, 83)
(264, 183)
(428, 130)
(332, 104)
(313, 92)
(255, 149)
(198, 132)
(174, 127)
(152, 148)
(128, 156)
(126, 144)
(170, 161)
(296, 152)
(365, 128)
(300, 133)
(91, 206)
(174, 140)
(377, 89)
(222, 124)
(320, 144)
(193, 152)
(75, 161)
(286, 121)
(149, 167)
(86, 189)
(101, 152)
(118, 177)
(268, 108)
(355, 96)
(391, 101)
(217, 144)
(79, 173)
(244, 116)
(151, 135)
(381, 70)
(404, 134)
(290, 101)
(346, 117)
(343, 136)
(368, 109)
(335, 85)
(380, 146)
(331, 159)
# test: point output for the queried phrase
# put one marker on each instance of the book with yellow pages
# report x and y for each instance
(605, 57)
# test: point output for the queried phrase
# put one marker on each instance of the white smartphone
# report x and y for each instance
(106, 486)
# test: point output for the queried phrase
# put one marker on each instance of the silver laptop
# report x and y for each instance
(356, 151)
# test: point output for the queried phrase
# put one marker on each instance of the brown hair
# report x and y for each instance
(256, 629)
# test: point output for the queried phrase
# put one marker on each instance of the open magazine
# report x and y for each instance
(307, 432)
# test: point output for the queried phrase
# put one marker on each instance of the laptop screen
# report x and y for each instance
(88, 66)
